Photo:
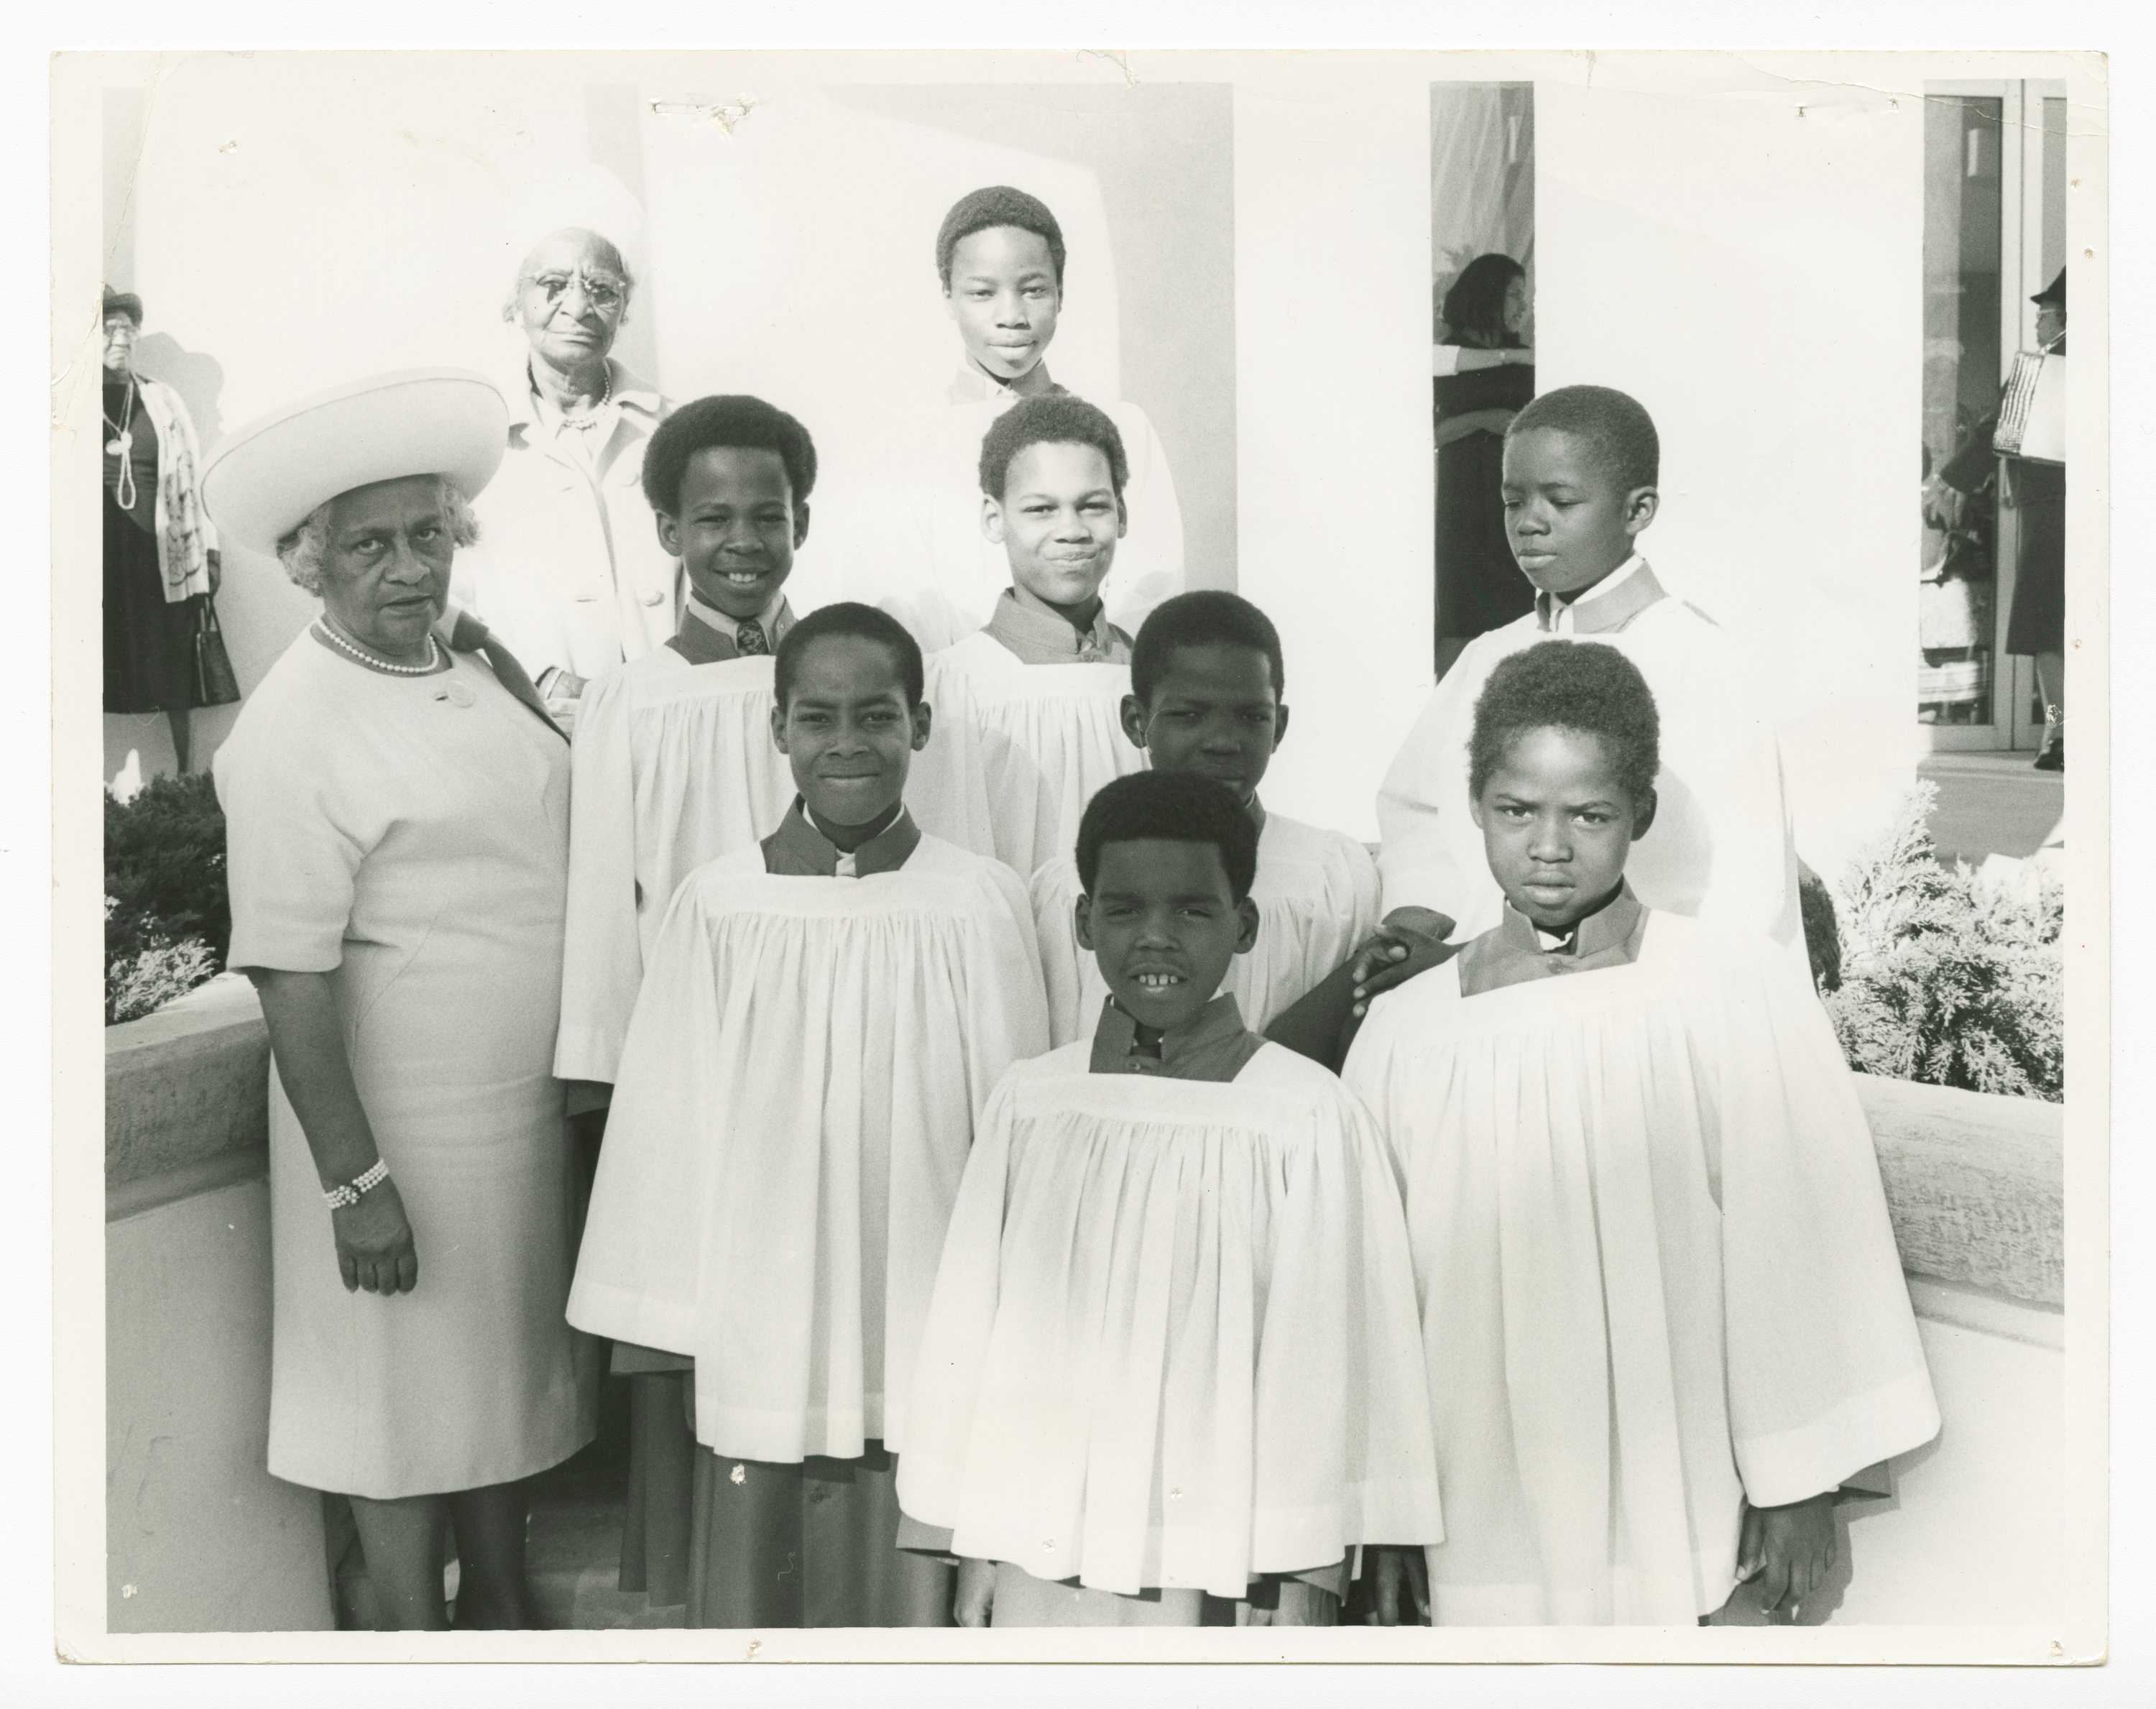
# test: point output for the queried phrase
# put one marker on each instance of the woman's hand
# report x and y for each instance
(1790, 1551)
(976, 1599)
(1401, 1580)
(374, 1245)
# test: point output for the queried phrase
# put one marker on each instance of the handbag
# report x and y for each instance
(215, 683)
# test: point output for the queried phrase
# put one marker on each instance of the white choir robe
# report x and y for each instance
(923, 556)
(1720, 848)
(1016, 751)
(1173, 1338)
(1656, 1273)
(673, 765)
(1316, 892)
(795, 1106)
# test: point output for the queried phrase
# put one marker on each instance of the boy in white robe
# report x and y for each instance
(673, 766)
(1030, 709)
(1172, 1354)
(1663, 1313)
(1207, 678)
(824, 1015)
(1581, 467)
(1000, 260)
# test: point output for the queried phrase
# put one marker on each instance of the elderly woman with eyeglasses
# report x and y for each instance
(397, 814)
(572, 575)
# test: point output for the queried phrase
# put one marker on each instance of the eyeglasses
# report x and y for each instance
(604, 295)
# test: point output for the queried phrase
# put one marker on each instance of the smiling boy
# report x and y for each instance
(1000, 262)
(1031, 705)
(825, 1012)
(1173, 1351)
(1207, 681)
(673, 761)
(1581, 469)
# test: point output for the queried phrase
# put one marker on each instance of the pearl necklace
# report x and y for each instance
(352, 650)
(589, 420)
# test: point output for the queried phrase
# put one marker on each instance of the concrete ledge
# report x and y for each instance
(183, 1088)
(1976, 1185)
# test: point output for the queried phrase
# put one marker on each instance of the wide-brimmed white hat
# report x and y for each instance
(270, 476)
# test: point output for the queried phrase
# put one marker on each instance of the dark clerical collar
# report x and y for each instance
(1514, 951)
(1212, 1045)
(797, 849)
(1038, 637)
(703, 642)
(1608, 605)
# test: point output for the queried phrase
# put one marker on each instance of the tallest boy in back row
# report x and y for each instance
(1580, 472)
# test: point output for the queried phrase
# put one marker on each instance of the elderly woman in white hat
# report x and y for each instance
(397, 849)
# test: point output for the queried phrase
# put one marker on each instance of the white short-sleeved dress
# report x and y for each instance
(408, 836)
(1316, 892)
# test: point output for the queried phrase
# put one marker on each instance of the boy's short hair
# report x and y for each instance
(1170, 807)
(984, 210)
(1586, 687)
(850, 619)
(728, 421)
(1052, 418)
(1615, 425)
(1207, 617)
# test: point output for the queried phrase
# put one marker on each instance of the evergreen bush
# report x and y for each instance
(167, 920)
(1947, 978)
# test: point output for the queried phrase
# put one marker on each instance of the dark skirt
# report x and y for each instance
(1480, 586)
(149, 640)
(2037, 621)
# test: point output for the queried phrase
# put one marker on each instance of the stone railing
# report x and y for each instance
(200, 1537)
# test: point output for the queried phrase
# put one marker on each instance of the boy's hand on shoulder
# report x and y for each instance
(1410, 941)
(1400, 1581)
(976, 1598)
(1788, 1550)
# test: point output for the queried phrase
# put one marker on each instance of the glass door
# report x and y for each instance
(1994, 233)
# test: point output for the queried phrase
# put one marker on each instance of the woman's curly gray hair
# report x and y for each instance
(303, 550)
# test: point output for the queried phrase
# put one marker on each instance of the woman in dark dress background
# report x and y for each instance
(1479, 586)
(161, 556)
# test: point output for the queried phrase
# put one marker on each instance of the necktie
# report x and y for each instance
(748, 639)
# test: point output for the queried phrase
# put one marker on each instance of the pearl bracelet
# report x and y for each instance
(337, 1198)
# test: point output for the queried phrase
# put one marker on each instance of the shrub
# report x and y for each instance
(1948, 978)
(167, 920)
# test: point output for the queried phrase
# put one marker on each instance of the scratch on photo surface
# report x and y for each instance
(726, 114)
(1119, 58)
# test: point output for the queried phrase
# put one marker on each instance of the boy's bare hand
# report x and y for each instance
(976, 1599)
(1790, 1551)
(1401, 1577)
(1411, 940)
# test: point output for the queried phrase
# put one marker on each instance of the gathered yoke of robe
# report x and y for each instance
(1657, 1272)
(1316, 892)
(1721, 848)
(673, 765)
(1028, 724)
(1173, 1343)
(796, 1100)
